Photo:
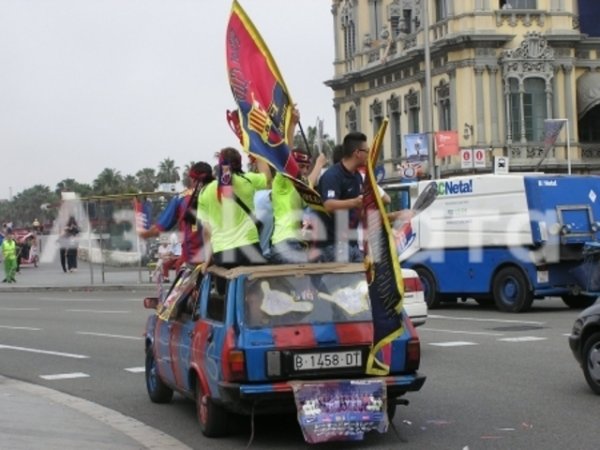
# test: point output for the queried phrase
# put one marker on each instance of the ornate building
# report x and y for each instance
(497, 70)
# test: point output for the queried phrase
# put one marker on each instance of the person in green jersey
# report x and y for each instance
(226, 210)
(288, 245)
(9, 253)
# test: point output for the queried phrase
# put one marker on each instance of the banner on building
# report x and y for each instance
(446, 143)
(417, 148)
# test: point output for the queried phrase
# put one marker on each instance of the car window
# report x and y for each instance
(290, 300)
(215, 307)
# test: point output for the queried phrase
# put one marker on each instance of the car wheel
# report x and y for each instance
(158, 391)
(591, 362)
(578, 301)
(211, 416)
(430, 290)
(511, 290)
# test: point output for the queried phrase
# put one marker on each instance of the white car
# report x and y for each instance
(414, 298)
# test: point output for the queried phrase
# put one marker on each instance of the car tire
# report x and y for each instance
(591, 362)
(511, 290)
(212, 417)
(578, 301)
(430, 290)
(158, 391)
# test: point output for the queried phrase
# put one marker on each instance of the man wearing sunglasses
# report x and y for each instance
(341, 190)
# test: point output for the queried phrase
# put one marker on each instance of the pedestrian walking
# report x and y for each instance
(9, 253)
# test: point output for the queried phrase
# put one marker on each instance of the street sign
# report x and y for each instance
(501, 165)
(479, 158)
(466, 158)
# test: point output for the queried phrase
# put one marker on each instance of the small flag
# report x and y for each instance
(552, 128)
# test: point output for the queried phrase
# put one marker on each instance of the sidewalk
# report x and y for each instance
(50, 276)
(35, 417)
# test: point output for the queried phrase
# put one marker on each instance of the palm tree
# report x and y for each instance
(311, 137)
(71, 185)
(185, 179)
(168, 172)
(26, 205)
(130, 185)
(146, 180)
(109, 181)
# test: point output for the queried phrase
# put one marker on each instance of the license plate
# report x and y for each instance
(327, 360)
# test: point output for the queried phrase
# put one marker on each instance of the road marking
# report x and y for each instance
(523, 339)
(20, 328)
(474, 319)
(8, 308)
(43, 352)
(98, 311)
(482, 333)
(453, 343)
(65, 376)
(118, 336)
(148, 437)
(136, 369)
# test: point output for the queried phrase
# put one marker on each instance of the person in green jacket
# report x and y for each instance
(9, 253)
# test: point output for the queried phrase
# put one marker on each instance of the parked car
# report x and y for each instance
(585, 344)
(232, 340)
(414, 297)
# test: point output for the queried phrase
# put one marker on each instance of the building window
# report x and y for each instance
(395, 128)
(351, 119)
(528, 109)
(518, 4)
(376, 117)
(375, 10)
(441, 10)
(589, 131)
(443, 104)
(412, 107)
(348, 29)
(395, 17)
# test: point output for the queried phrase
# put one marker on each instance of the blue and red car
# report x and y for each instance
(235, 340)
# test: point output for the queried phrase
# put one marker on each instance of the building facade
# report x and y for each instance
(496, 70)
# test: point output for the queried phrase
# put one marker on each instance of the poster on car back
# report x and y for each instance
(340, 410)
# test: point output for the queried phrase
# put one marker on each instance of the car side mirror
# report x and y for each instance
(150, 302)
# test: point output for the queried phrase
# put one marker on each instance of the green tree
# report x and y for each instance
(312, 138)
(185, 179)
(146, 180)
(71, 185)
(27, 205)
(130, 185)
(109, 181)
(168, 172)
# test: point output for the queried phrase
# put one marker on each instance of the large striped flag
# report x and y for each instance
(264, 103)
(386, 287)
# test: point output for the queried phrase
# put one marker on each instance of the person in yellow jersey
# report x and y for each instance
(288, 245)
(9, 253)
(226, 210)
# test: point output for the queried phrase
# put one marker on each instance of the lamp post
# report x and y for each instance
(427, 110)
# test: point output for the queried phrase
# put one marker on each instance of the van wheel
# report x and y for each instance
(578, 301)
(430, 290)
(591, 362)
(158, 391)
(511, 290)
(212, 417)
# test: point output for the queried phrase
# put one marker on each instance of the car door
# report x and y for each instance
(162, 345)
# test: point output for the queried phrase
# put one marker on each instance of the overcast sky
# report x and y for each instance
(90, 84)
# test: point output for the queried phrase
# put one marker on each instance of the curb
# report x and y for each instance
(143, 434)
(83, 288)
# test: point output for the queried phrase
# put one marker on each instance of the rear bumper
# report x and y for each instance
(269, 398)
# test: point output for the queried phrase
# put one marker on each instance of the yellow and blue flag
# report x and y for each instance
(386, 287)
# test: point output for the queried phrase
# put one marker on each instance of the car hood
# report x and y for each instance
(591, 311)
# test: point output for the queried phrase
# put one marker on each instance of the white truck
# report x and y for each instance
(503, 239)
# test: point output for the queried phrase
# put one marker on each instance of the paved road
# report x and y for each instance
(495, 381)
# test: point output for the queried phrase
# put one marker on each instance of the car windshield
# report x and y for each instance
(288, 300)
